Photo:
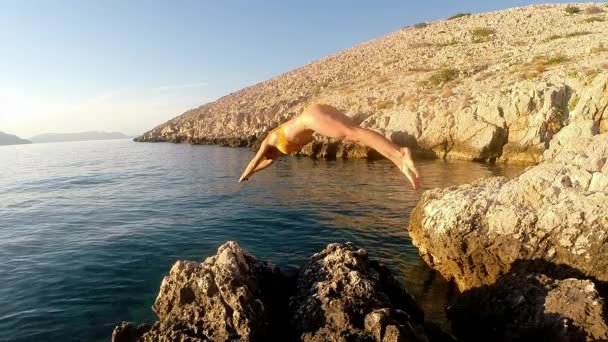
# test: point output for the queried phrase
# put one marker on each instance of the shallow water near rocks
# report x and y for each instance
(89, 229)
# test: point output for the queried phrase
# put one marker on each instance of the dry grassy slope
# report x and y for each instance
(492, 86)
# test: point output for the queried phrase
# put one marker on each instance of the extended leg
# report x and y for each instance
(330, 122)
(402, 157)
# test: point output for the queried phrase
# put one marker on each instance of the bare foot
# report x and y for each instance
(409, 168)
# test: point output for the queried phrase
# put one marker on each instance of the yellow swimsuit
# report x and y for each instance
(283, 144)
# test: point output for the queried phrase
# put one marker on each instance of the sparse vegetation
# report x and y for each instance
(419, 45)
(383, 79)
(448, 43)
(385, 104)
(573, 102)
(557, 59)
(483, 76)
(599, 48)
(406, 99)
(447, 92)
(421, 25)
(390, 61)
(459, 15)
(594, 19)
(572, 10)
(594, 10)
(481, 34)
(568, 35)
(538, 65)
(443, 76)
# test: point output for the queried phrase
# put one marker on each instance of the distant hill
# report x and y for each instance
(9, 139)
(82, 136)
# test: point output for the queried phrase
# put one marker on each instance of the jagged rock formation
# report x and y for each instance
(343, 296)
(226, 298)
(493, 86)
(556, 211)
(339, 295)
(530, 307)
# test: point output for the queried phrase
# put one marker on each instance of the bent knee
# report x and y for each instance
(353, 134)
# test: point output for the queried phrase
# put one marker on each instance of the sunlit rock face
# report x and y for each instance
(338, 295)
(489, 87)
(556, 211)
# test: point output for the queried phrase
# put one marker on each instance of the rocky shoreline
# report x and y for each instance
(529, 256)
(339, 294)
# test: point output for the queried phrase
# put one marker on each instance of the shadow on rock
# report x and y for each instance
(338, 295)
(536, 301)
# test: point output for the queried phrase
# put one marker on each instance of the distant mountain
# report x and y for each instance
(82, 136)
(9, 139)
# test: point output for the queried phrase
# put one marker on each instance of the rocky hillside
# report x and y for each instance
(492, 86)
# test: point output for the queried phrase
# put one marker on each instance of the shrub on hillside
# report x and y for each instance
(594, 10)
(481, 34)
(459, 15)
(572, 10)
(594, 19)
(443, 76)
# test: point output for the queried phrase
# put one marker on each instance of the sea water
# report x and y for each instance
(89, 229)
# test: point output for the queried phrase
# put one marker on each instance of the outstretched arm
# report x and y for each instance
(258, 162)
(263, 164)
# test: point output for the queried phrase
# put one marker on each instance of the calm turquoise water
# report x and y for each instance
(88, 229)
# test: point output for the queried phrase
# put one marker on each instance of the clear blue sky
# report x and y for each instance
(68, 66)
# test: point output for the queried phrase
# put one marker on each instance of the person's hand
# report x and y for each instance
(243, 179)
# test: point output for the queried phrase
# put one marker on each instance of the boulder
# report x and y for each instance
(228, 297)
(555, 211)
(341, 295)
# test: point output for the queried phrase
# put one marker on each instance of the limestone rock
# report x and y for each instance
(225, 298)
(339, 295)
(556, 211)
(128, 332)
(343, 296)
(437, 88)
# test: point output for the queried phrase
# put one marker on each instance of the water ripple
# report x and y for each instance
(88, 229)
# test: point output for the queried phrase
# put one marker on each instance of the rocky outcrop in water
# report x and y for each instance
(227, 297)
(555, 211)
(491, 87)
(339, 295)
(529, 253)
